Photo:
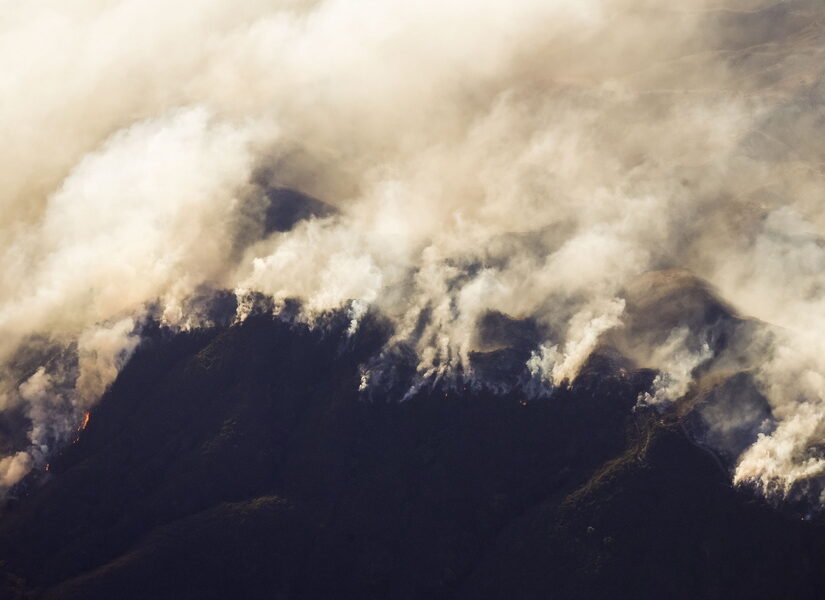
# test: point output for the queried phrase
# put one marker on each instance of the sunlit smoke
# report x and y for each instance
(537, 159)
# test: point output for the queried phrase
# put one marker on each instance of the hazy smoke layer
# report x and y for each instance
(536, 158)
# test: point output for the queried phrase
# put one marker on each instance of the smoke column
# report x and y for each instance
(558, 160)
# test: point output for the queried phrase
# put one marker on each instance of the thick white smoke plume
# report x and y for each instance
(592, 165)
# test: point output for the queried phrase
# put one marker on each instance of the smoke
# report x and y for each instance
(676, 364)
(534, 158)
(585, 330)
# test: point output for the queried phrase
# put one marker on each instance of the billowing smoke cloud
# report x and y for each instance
(592, 166)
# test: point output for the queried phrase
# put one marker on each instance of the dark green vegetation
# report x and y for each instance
(243, 463)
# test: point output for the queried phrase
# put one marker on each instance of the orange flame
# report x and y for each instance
(85, 422)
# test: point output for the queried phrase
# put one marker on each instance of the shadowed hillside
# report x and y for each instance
(241, 462)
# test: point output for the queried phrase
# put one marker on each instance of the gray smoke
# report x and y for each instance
(616, 171)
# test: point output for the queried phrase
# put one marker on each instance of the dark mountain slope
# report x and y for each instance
(242, 462)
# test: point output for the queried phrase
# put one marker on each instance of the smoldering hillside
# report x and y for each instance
(606, 173)
(241, 461)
